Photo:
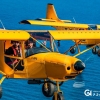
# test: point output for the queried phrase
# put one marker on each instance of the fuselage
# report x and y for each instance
(50, 65)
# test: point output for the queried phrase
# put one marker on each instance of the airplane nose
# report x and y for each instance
(79, 66)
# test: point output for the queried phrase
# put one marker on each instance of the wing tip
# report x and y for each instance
(38, 19)
(24, 22)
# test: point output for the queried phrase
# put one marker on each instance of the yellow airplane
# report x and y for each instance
(53, 20)
(44, 65)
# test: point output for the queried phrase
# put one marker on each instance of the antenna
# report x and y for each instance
(2, 25)
(74, 19)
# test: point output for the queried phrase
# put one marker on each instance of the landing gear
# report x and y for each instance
(48, 89)
(72, 50)
(94, 50)
(1, 80)
(58, 94)
(98, 53)
(59, 97)
(0, 92)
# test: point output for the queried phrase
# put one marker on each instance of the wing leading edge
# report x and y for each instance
(49, 23)
(14, 35)
(75, 34)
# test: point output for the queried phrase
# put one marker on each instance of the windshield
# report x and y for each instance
(35, 50)
(36, 46)
(40, 42)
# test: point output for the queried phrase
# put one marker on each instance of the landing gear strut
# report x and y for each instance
(58, 94)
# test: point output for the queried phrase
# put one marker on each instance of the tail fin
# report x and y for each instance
(51, 13)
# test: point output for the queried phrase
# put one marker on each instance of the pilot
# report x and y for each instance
(30, 44)
(29, 48)
(14, 50)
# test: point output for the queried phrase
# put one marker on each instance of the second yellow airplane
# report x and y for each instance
(53, 20)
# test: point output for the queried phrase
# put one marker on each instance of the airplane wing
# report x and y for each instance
(49, 23)
(14, 35)
(75, 34)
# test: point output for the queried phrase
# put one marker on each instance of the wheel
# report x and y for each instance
(98, 53)
(59, 97)
(94, 50)
(49, 91)
(0, 92)
(73, 50)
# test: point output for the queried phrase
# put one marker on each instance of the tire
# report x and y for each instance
(94, 50)
(98, 53)
(73, 50)
(49, 92)
(59, 97)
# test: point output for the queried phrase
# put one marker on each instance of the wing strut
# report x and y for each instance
(76, 45)
(85, 50)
